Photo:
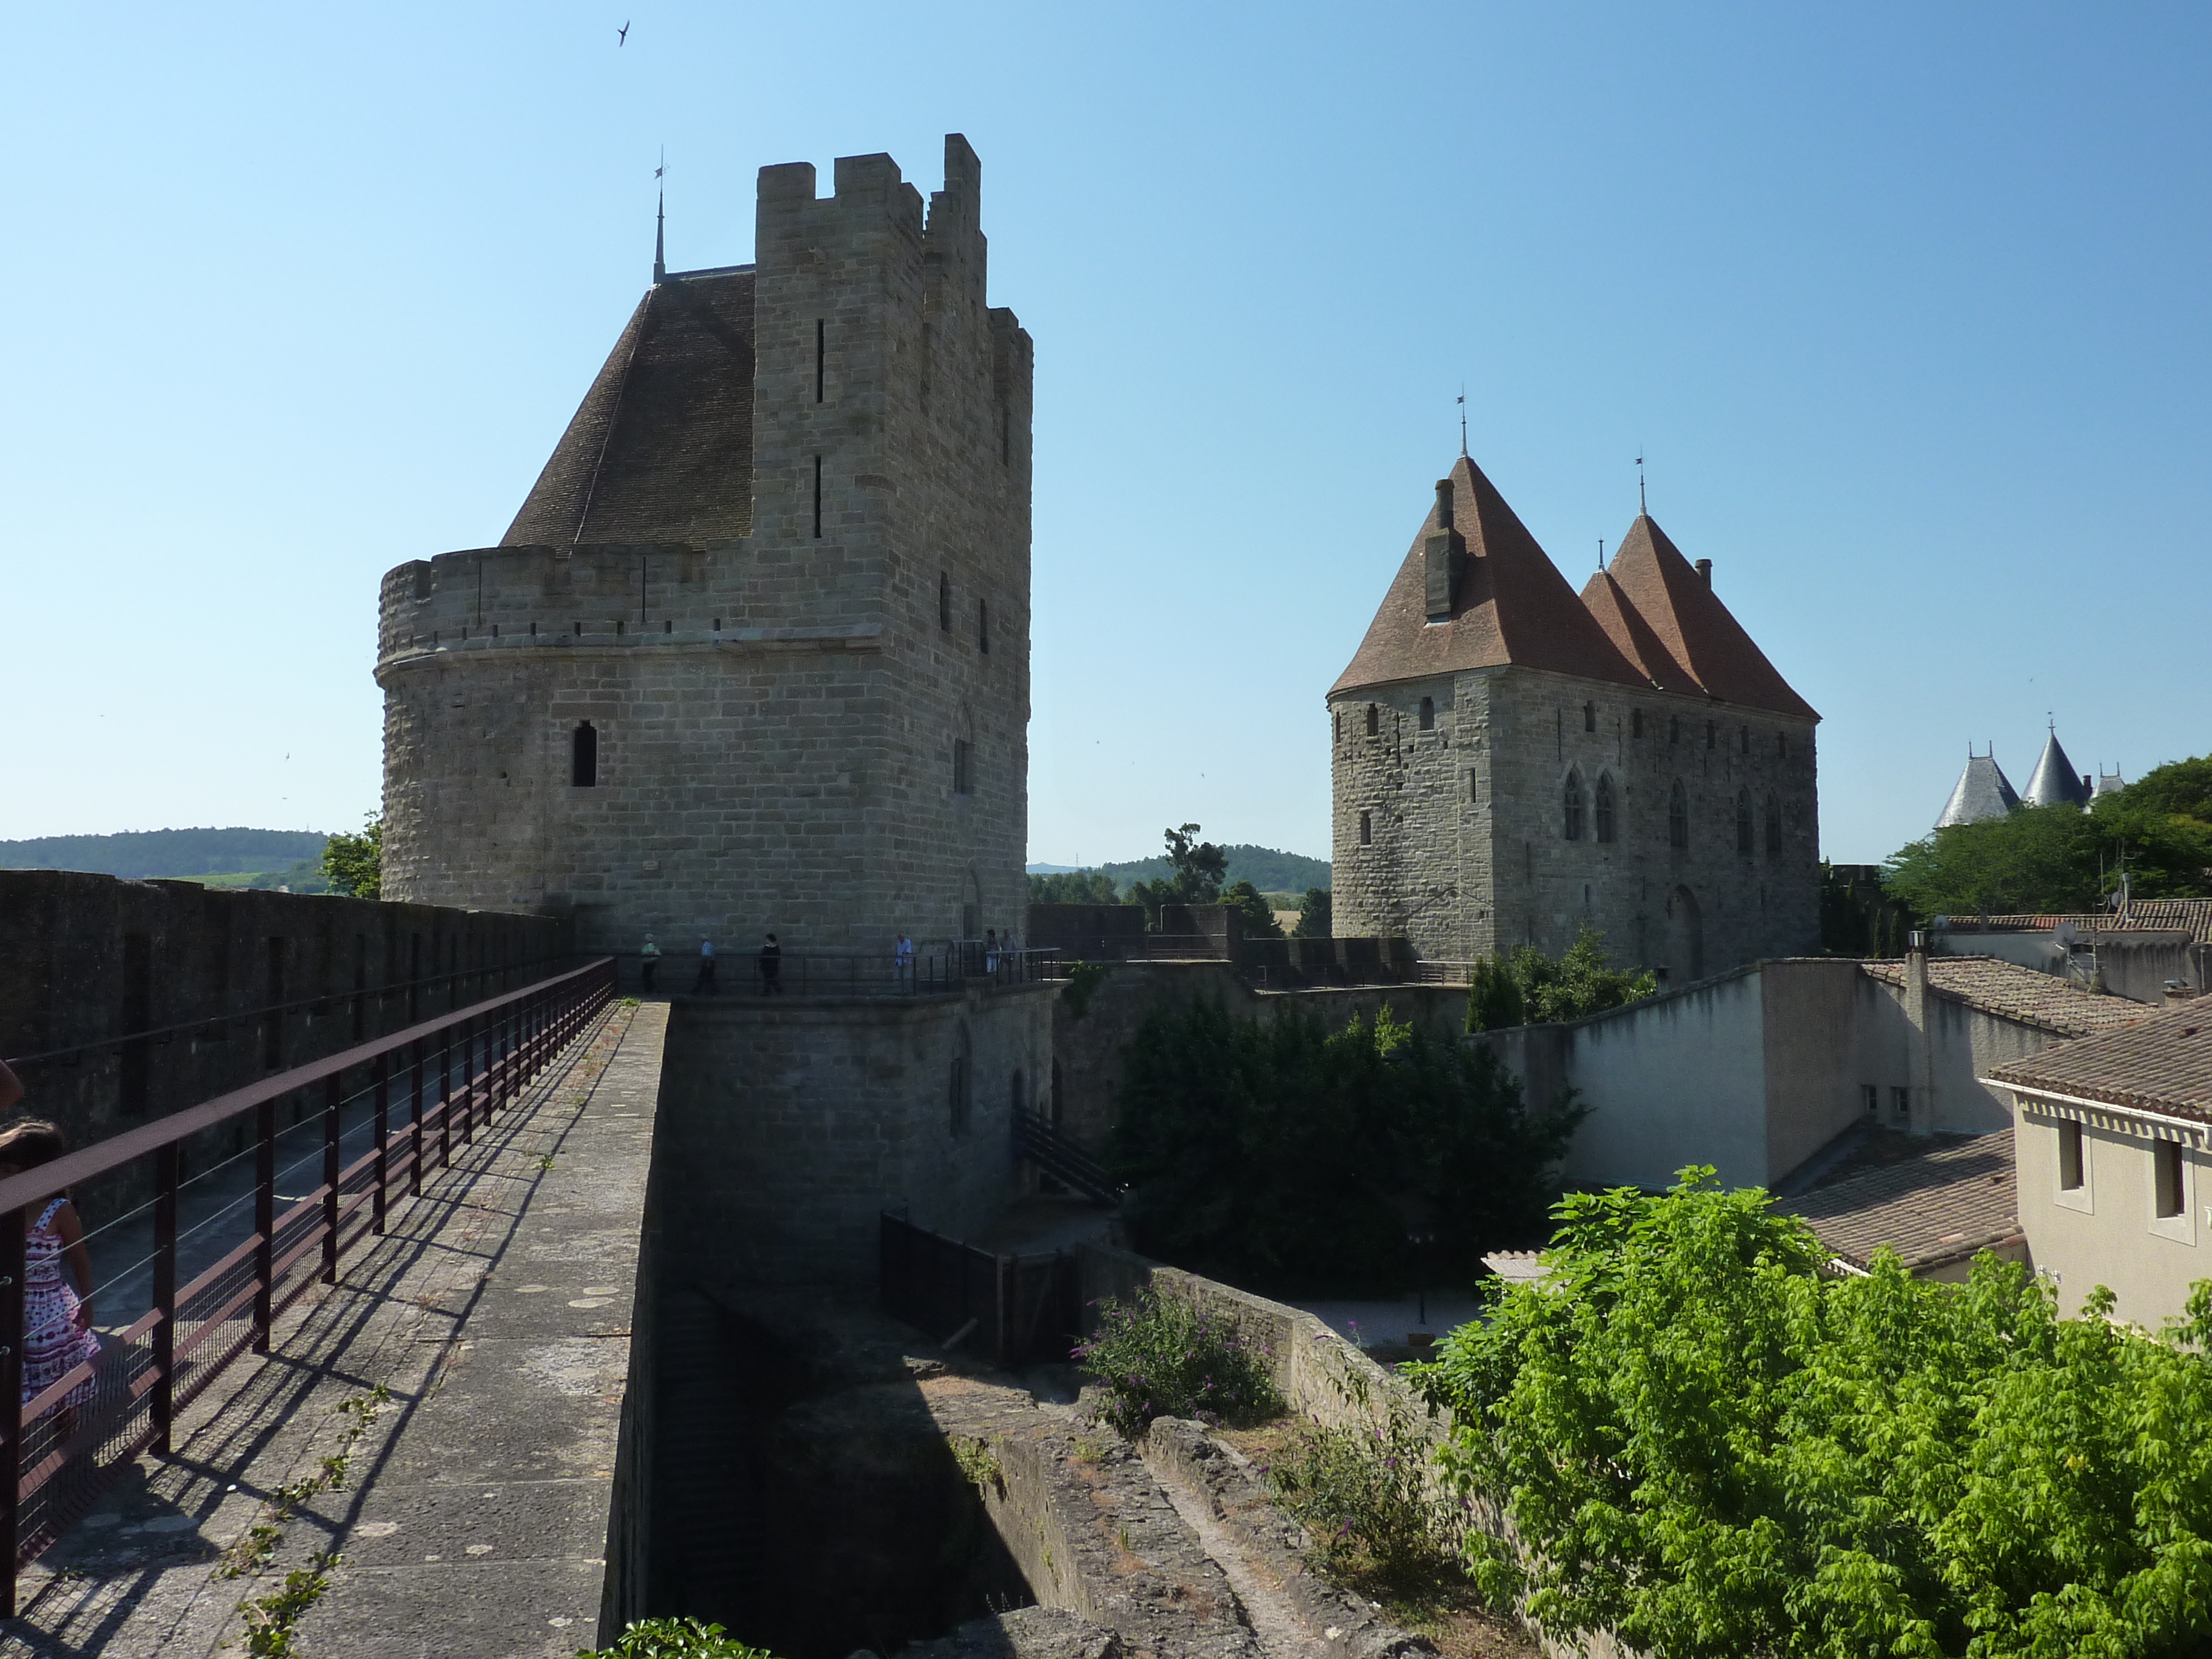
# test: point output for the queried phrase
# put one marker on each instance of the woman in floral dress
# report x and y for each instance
(57, 1320)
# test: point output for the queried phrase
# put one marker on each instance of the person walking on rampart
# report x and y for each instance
(771, 967)
(649, 959)
(990, 950)
(902, 963)
(58, 1334)
(704, 985)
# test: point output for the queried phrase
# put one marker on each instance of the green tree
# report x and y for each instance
(1195, 869)
(354, 865)
(1711, 1450)
(1494, 1002)
(1279, 1152)
(1259, 921)
(1316, 914)
(1583, 981)
(1074, 887)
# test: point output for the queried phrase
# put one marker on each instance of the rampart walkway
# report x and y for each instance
(472, 1515)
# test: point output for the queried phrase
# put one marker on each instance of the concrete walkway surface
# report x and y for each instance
(473, 1520)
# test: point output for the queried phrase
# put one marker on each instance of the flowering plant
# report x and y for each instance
(1161, 1356)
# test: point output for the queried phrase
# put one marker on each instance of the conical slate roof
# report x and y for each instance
(1984, 792)
(1697, 630)
(2055, 783)
(1511, 605)
(661, 448)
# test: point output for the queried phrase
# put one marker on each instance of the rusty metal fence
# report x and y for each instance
(1019, 1310)
(439, 1080)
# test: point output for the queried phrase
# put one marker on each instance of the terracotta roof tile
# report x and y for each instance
(1698, 631)
(660, 450)
(2153, 915)
(2163, 1063)
(2014, 993)
(1511, 606)
(1932, 1200)
(1633, 637)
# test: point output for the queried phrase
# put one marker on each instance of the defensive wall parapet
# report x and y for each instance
(144, 997)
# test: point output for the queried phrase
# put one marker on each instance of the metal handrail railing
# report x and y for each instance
(58, 1450)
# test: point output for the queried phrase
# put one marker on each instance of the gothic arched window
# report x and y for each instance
(584, 756)
(1743, 821)
(1374, 719)
(1605, 830)
(1571, 807)
(1677, 816)
(1773, 827)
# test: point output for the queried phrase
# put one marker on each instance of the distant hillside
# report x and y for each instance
(1269, 871)
(139, 854)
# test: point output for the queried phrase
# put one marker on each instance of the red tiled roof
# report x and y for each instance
(1932, 1201)
(1633, 637)
(1680, 607)
(2192, 915)
(2163, 1063)
(2023, 995)
(1511, 606)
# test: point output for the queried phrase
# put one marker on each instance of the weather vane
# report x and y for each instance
(1463, 420)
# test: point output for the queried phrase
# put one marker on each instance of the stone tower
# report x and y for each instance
(754, 657)
(1511, 760)
(754, 654)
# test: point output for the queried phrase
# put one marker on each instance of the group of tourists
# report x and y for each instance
(995, 948)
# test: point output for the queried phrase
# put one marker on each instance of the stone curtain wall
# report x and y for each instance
(787, 1130)
(90, 959)
(1469, 855)
(777, 716)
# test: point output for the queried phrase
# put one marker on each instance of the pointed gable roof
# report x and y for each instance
(1634, 637)
(1511, 606)
(1982, 793)
(1679, 606)
(661, 448)
(2055, 783)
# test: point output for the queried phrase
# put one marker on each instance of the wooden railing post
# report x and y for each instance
(264, 1220)
(332, 1099)
(11, 1397)
(378, 1204)
(162, 1405)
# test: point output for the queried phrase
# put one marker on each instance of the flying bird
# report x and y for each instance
(622, 34)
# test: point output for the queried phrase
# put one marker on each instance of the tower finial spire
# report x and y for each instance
(660, 222)
(1643, 508)
(1463, 420)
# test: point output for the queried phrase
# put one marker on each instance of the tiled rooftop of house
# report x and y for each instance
(2194, 916)
(2162, 1064)
(2012, 992)
(1932, 1200)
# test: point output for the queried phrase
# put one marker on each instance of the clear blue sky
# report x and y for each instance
(1906, 305)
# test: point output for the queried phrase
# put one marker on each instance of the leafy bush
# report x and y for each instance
(1074, 887)
(1710, 1449)
(674, 1638)
(1530, 989)
(1276, 1153)
(1084, 979)
(1161, 1356)
(1366, 1498)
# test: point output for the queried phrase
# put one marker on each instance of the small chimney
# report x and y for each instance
(1705, 571)
(1444, 554)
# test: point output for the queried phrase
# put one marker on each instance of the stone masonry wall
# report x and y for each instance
(88, 959)
(777, 716)
(1468, 854)
(787, 1129)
